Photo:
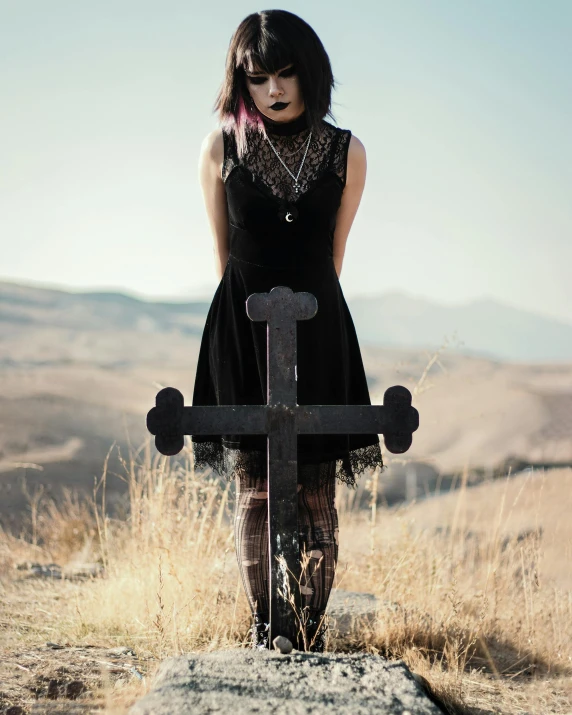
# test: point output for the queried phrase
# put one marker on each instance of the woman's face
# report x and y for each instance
(269, 89)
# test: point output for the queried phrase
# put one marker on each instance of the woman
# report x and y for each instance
(281, 187)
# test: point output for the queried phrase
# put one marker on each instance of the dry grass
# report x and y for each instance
(471, 598)
(470, 611)
(475, 591)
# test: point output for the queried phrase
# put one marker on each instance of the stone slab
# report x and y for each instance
(243, 681)
(347, 609)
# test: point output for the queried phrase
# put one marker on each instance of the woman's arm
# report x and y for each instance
(212, 185)
(355, 182)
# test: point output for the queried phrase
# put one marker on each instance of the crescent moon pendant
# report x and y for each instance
(289, 217)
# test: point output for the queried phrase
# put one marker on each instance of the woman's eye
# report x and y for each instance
(290, 72)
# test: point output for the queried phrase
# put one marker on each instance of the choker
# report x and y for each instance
(285, 128)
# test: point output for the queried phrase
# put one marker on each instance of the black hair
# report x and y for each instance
(267, 41)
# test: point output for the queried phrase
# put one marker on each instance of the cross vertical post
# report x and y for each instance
(281, 309)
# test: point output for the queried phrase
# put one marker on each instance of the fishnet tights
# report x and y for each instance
(318, 534)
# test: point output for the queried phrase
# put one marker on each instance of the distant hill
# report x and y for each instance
(79, 372)
(483, 328)
(24, 305)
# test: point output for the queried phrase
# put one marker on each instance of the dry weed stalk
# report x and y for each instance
(301, 614)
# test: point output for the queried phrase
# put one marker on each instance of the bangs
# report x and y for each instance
(266, 55)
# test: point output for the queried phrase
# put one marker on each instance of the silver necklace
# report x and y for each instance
(292, 153)
(296, 184)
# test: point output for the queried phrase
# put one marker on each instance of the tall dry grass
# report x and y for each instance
(465, 603)
(472, 613)
(470, 592)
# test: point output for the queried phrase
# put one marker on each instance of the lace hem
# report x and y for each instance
(233, 463)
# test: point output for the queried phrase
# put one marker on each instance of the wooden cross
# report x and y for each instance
(282, 419)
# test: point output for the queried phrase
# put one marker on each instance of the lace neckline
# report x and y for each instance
(286, 129)
(326, 153)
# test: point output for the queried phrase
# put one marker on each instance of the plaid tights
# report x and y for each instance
(318, 534)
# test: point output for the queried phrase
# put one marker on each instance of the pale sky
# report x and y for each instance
(464, 108)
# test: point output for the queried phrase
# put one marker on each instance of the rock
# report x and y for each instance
(243, 681)
(282, 644)
(346, 608)
(121, 650)
(423, 682)
(83, 571)
(76, 571)
(46, 570)
(53, 690)
(136, 673)
(75, 689)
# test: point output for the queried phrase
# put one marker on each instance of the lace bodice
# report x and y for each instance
(327, 151)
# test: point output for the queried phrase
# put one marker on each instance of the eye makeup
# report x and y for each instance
(288, 72)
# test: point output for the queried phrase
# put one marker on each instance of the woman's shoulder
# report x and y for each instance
(212, 150)
(213, 144)
(334, 130)
(347, 140)
(348, 152)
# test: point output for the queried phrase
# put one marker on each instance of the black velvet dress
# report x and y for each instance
(268, 251)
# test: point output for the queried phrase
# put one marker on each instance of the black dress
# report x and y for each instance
(268, 251)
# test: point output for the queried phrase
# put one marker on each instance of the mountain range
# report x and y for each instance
(481, 328)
